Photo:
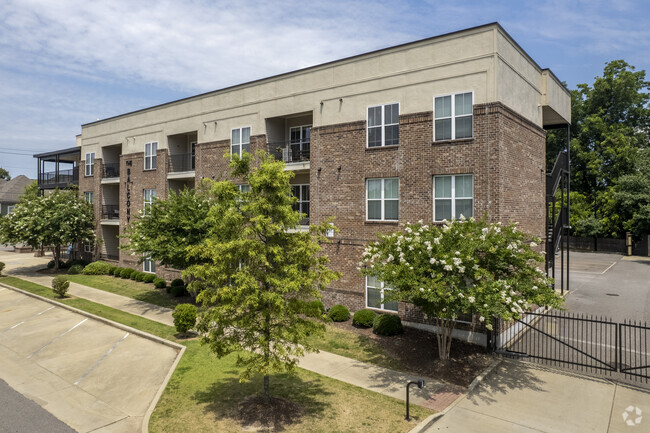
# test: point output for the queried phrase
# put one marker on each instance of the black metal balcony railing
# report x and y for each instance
(290, 152)
(110, 212)
(181, 162)
(60, 178)
(111, 170)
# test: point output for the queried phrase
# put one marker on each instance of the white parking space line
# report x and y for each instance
(56, 338)
(30, 318)
(100, 360)
(608, 268)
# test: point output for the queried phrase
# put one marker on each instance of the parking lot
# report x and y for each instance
(87, 373)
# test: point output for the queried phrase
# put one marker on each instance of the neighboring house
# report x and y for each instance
(10, 192)
(428, 130)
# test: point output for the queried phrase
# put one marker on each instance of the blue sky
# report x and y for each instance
(64, 63)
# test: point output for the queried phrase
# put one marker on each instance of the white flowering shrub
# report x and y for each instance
(462, 266)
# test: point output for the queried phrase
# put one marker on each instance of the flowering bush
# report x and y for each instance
(462, 266)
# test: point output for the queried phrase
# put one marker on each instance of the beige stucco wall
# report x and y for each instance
(483, 60)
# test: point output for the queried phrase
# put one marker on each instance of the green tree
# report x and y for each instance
(169, 227)
(56, 219)
(610, 124)
(463, 266)
(4, 174)
(257, 274)
(631, 196)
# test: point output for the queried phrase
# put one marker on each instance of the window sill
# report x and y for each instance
(388, 222)
(454, 141)
(392, 146)
(383, 310)
(149, 169)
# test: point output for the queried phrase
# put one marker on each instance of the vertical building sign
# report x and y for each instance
(128, 191)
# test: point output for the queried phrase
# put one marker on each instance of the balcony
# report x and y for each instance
(110, 212)
(181, 166)
(55, 179)
(111, 170)
(290, 152)
(63, 168)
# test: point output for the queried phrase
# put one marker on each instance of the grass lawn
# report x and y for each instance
(204, 391)
(129, 288)
(346, 343)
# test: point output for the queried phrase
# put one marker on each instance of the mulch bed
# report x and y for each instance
(255, 413)
(417, 350)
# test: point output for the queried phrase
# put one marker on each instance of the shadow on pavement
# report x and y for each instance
(508, 376)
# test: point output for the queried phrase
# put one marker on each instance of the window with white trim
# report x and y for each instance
(89, 196)
(375, 291)
(150, 150)
(149, 196)
(301, 192)
(453, 116)
(383, 125)
(244, 187)
(90, 164)
(453, 196)
(88, 247)
(382, 199)
(149, 266)
(10, 209)
(240, 141)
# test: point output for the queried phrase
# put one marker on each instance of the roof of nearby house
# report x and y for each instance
(11, 190)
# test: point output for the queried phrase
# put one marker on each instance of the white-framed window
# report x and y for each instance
(301, 192)
(10, 209)
(150, 150)
(240, 140)
(453, 116)
(149, 266)
(453, 196)
(383, 125)
(382, 199)
(89, 196)
(90, 164)
(88, 247)
(244, 187)
(375, 291)
(149, 196)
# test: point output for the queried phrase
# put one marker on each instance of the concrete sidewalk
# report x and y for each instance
(524, 397)
(436, 395)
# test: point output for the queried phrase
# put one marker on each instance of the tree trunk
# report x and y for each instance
(445, 330)
(56, 252)
(267, 353)
(267, 389)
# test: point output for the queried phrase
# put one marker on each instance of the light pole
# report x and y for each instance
(420, 384)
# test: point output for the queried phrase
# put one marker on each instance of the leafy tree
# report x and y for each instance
(256, 274)
(4, 174)
(631, 196)
(463, 266)
(169, 227)
(55, 219)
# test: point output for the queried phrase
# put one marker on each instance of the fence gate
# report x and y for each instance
(594, 345)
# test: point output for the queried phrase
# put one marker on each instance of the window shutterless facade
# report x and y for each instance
(10, 209)
(301, 192)
(240, 140)
(244, 187)
(149, 196)
(453, 116)
(383, 125)
(88, 247)
(382, 199)
(150, 150)
(300, 137)
(375, 291)
(89, 195)
(149, 266)
(90, 164)
(453, 196)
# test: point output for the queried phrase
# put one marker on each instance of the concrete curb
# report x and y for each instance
(179, 347)
(432, 419)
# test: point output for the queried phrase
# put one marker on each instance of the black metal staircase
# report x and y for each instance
(557, 218)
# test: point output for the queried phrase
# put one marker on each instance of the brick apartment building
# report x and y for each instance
(426, 130)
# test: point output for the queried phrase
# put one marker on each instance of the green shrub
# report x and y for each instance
(149, 278)
(126, 273)
(364, 318)
(159, 283)
(71, 263)
(315, 308)
(139, 276)
(2, 267)
(184, 317)
(387, 324)
(177, 291)
(60, 285)
(134, 275)
(50, 264)
(75, 269)
(98, 268)
(177, 282)
(117, 271)
(339, 313)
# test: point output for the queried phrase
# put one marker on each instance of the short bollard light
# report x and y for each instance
(420, 384)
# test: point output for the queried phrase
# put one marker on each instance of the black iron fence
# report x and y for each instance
(59, 178)
(110, 212)
(111, 170)
(290, 152)
(591, 344)
(181, 162)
